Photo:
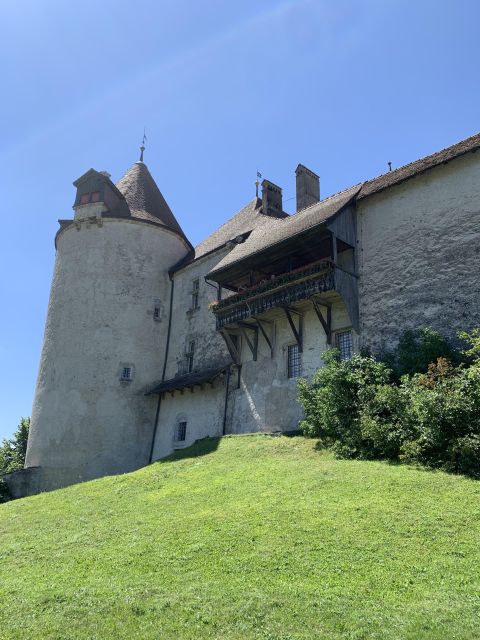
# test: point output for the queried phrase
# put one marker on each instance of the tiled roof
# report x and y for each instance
(247, 219)
(188, 380)
(144, 198)
(271, 232)
(274, 231)
(242, 222)
(419, 166)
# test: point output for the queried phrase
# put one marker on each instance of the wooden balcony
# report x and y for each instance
(280, 291)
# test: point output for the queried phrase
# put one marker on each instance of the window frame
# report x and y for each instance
(190, 356)
(342, 332)
(126, 373)
(195, 294)
(180, 430)
(294, 365)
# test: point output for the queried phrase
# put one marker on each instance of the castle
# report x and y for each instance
(151, 344)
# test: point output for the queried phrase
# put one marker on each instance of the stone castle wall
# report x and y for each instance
(419, 254)
(107, 280)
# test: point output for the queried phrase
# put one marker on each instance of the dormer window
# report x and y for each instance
(86, 198)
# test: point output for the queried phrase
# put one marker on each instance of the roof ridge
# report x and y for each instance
(426, 157)
(257, 202)
(333, 195)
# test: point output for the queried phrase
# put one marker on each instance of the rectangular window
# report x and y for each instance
(190, 355)
(156, 313)
(95, 196)
(181, 433)
(85, 198)
(344, 343)
(294, 362)
(126, 373)
(195, 292)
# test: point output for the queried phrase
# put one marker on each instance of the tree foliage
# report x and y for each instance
(361, 409)
(12, 454)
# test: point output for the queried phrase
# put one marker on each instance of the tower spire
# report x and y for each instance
(142, 147)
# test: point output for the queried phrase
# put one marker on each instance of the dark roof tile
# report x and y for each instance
(145, 200)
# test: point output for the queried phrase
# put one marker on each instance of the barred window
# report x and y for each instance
(157, 313)
(344, 343)
(294, 362)
(181, 433)
(195, 292)
(190, 355)
(126, 373)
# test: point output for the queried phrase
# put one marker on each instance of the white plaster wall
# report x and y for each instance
(419, 255)
(199, 324)
(201, 409)
(107, 279)
(267, 398)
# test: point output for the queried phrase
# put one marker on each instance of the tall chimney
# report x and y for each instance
(271, 198)
(308, 187)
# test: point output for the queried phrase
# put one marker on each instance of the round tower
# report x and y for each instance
(106, 331)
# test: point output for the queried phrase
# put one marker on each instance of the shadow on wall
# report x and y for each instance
(199, 448)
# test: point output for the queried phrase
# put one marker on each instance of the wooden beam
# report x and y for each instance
(268, 340)
(253, 346)
(234, 354)
(297, 333)
(326, 323)
(333, 240)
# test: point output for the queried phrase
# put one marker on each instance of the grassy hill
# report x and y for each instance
(246, 537)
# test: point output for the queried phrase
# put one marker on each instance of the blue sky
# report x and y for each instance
(222, 88)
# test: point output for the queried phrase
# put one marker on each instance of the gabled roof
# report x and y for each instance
(242, 223)
(275, 231)
(419, 166)
(145, 200)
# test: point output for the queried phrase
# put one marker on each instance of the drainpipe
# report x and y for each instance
(167, 345)
(227, 384)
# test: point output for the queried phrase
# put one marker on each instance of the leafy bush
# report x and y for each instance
(417, 349)
(360, 409)
(12, 455)
(332, 401)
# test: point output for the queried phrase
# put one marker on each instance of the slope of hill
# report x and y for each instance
(245, 537)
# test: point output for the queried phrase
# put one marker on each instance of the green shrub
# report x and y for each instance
(360, 409)
(417, 349)
(332, 400)
(12, 455)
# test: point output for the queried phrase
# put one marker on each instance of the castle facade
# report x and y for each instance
(151, 344)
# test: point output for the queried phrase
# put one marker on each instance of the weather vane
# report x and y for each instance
(142, 148)
(257, 182)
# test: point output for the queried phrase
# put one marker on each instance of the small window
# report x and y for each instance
(344, 343)
(195, 292)
(181, 433)
(85, 198)
(190, 355)
(95, 196)
(157, 313)
(126, 373)
(294, 362)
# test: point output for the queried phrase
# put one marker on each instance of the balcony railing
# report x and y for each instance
(283, 290)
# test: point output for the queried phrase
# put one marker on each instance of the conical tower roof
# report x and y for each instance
(145, 200)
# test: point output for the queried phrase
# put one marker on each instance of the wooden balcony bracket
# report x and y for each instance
(297, 332)
(253, 346)
(325, 322)
(232, 349)
(269, 339)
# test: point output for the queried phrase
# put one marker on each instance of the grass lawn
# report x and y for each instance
(246, 537)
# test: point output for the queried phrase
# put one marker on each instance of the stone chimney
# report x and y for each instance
(308, 187)
(271, 198)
